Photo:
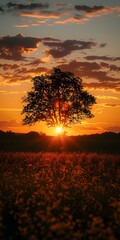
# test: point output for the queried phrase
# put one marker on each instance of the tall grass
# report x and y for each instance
(60, 196)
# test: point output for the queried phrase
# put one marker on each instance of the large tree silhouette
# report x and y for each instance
(58, 99)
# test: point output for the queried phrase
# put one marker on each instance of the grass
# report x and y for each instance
(71, 196)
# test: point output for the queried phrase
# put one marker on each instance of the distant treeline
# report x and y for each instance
(107, 142)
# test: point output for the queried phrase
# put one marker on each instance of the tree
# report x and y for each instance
(58, 99)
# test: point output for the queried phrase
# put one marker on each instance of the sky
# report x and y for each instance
(78, 36)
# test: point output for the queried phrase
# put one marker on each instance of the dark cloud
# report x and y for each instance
(64, 11)
(50, 39)
(25, 70)
(111, 67)
(92, 71)
(104, 65)
(16, 77)
(1, 9)
(38, 70)
(9, 66)
(24, 73)
(60, 49)
(82, 68)
(103, 45)
(88, 9)
(12, 48)
(30, 6)
(105, 58)
(114, 68)
(35, 62)
(10, 4)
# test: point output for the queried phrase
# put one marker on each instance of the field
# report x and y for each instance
(71, 196)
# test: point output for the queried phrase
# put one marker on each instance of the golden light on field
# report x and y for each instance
(59, 129)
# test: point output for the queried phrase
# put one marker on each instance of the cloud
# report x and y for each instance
(34, 10)
(43, 15)
(114, 68)
(1, 9)
(115, 129)
(30, 6)
(22, 26)
(87, 9)
(36, 62)
(112, 104)
(88, 128)
(95, 74)
(94, 11)
(62, 4)
(13, 48)
(91, 71)
(103, 85)
(82, 68)
(66, 12)
(8, 66)
(74, 19)
(37, 70)
(60, 49)
(85, 13)
(111, 67)
(16, 78)
(50, 39)
(6, 92)
(105, 58)
(8, 124)
(104, 97)
(89, 12)
(23, 74)
(103, 45)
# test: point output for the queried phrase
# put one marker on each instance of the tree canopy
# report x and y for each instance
(57, 99)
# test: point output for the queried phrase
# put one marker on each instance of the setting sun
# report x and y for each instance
(59, 129)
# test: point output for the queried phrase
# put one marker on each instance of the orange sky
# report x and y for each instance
(83, 39)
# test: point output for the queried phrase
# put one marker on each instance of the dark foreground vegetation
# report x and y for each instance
(52, 196)
(107, 142)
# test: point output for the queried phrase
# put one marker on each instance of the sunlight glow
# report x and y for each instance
(59, 129)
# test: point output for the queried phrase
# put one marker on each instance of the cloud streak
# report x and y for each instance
(60, 49)
(105, 58)
(30, 6)
(43, 15)
(88, 9)
(9, 124)
(8, 66)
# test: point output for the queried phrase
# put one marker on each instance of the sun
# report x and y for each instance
(59, 129)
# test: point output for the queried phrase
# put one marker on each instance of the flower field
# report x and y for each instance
(71, 196)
